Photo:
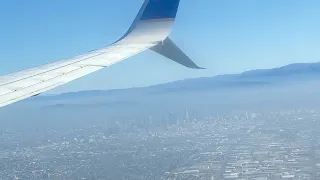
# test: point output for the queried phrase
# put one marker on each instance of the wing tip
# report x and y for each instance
(160, 9)
(170, 50)
(200, 68)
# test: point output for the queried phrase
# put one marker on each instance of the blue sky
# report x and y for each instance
(225, 36)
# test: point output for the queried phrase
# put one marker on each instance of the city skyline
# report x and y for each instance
(244, 145)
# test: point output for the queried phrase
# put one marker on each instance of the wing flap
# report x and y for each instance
(4, 91)
(17, 86)
(46, 85)
(27, 95)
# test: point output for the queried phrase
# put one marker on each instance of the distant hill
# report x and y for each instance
(262, 77)
(293, 70)
(248, 79)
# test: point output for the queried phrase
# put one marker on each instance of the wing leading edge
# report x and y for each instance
(150, 30)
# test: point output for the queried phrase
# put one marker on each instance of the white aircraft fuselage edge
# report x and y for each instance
(149, 30)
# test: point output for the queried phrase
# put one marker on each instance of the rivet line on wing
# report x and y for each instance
(53, 69)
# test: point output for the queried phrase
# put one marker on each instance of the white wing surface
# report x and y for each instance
(149, 30)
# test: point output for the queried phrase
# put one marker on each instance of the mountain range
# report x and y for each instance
(293, 73)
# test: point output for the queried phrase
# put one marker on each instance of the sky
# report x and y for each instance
(224, 36)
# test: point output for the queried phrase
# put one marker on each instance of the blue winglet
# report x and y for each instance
(154, 11)
(160, 9)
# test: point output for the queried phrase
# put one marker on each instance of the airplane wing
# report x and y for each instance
(149, 30)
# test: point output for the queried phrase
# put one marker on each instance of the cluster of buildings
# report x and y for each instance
(257, 146)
